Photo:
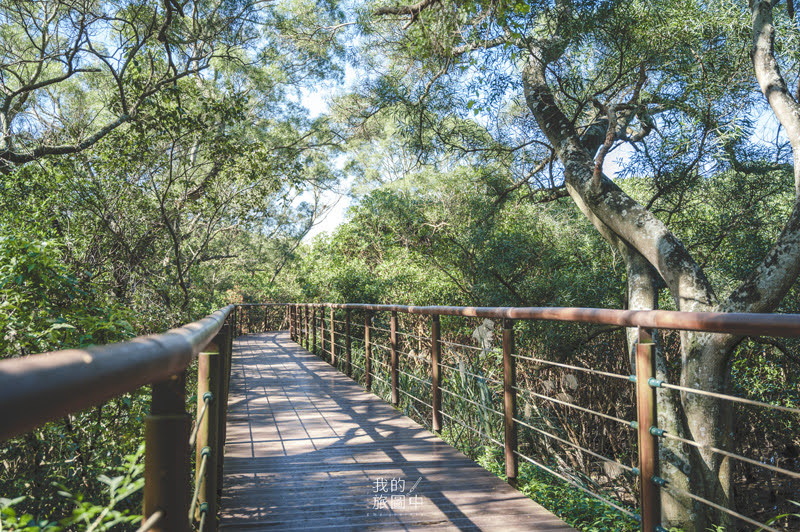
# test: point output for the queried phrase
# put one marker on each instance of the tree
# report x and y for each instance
(122, 221)
(72, 71)
(682, 102)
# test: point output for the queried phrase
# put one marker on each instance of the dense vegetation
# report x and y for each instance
(156, 163)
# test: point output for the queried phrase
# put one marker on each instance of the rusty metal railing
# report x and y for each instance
(305, 320)
(44, 387)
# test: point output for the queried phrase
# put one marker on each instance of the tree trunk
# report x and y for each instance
(709, 422)
(651, 252)
(674, 457)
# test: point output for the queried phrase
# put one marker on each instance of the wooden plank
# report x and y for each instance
(308, 449)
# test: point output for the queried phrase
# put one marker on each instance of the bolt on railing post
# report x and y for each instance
(648, 444)
(348, 352)
(510, 401)
(436, 392)
(209, 380)
(166, 463)
(393, 339)
(333, 341)
(367, 353)
(314, 330)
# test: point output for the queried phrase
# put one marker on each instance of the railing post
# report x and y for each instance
(236, 321)
(393, 339)
(227, 360)
(436, 356)
(166, 463)
(314, 330)
(209, 381)
(348, 352)
(648, 444)
(510, 401)
(266, 315)
(322, 333)
(367, 352)
(305, 316)
(230, 341)
(333, 340)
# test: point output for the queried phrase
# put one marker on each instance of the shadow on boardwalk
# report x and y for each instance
(308, 449)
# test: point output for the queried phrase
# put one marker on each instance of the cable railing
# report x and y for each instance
(55, 384)
(364, 344)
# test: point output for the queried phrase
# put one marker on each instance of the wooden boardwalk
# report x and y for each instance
(308, 449)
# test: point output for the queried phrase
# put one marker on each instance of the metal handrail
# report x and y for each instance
(645, 382)
(741, 324)
(52, 385)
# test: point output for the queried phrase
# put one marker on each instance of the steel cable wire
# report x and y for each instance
(489, 379)
(630, 424)
(481, 435)
(415, 398)
(201, 472)
(660, 384)
(777, 469)
(576, 368)
(719, 507)
(445, 390)
(575, 484)
(584, 449)
(207, 397)
(151, 521)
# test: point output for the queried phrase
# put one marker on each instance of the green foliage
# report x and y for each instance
(438, 238)
(577, 509)
(44, 306)
(198, 197)
(113, 515)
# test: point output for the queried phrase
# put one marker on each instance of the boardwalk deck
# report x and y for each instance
(308, 449)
